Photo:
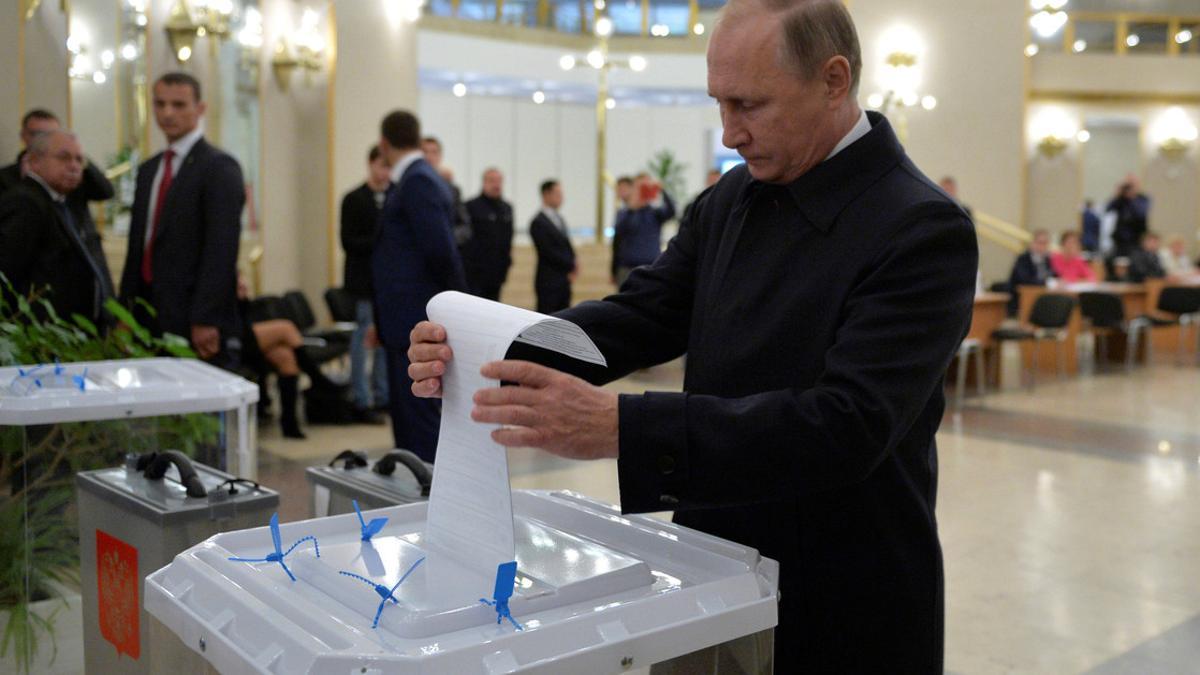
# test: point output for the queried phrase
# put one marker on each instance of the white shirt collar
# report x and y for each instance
(406, 160)
(54, 194)
(552, 214)
(861, 128)
(184, 145)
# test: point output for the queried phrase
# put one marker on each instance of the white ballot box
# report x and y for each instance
(595, 592)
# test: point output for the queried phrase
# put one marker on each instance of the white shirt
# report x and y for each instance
(181, 148)
(55, 195)
(403, 163)
(861, 128)
(554, 218)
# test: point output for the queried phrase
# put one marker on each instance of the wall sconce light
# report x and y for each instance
(1054, 128)
(80, 65)
(1175, 133)
(402, 11)
(309, 51)
(181, 31)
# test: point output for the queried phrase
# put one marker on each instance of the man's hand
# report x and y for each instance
(427, 357)
(206, 340)
(549, 410)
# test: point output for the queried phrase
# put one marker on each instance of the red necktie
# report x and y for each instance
(163, 186)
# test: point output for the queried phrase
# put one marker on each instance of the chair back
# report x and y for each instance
(298, 310)
(265, 308)
(1179, 300)
(1052, 310)
(341, 305)
(1104, 310)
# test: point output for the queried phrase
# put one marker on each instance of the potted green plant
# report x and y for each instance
(668, 171)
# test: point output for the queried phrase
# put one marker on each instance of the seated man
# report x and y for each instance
(1175, 260)
(1144, 262)
(1032, 268)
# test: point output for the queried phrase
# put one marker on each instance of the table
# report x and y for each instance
(1133, 299)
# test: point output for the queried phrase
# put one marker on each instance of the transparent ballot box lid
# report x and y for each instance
(595, 591)
(104, 390)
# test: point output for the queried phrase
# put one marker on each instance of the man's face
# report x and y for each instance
(433, 153)
(712, 178)
(35, 126)
(625, 192)
(378, 172)
(1178, 248)
(1151, 244)
(493, 184)
(1040, 244)
(949, 187)
(176, 110)
(777, 121)
(62, 165)
(554, 197)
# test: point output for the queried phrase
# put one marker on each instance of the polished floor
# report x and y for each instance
(1069, 516)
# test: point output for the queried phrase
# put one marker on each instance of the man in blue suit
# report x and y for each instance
(414, 259)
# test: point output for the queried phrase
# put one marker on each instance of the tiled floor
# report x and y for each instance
(1069, 515)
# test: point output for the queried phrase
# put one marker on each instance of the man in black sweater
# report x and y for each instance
(360, 229)
(487, 255)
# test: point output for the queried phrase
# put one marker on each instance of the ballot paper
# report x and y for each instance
(470, 504)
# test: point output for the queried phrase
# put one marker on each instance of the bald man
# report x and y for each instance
(45, 240)
(819, 292)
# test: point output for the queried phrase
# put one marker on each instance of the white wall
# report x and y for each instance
(1113, 152)
(10, 105)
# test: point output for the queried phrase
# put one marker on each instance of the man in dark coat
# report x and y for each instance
(185, 229)
(1131, 208)
(415, 258)
(48, 240)
(637, 237)
(487, 255)
(556, 264)
(359, 231)
(819, 293)
(1031, 268)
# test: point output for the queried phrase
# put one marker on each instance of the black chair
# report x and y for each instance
(342, 306)
(1184, 303)
(320, 344)
(966, 349)
(1106, 316)
(1048, 319)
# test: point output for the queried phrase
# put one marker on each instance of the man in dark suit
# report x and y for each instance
(185, 228)
(1031, 268)
(819, 292)
(556, 265)
(94, 187)
(360, 230)
(487, 255)
(431, 148)
(47, 240)
(1145, 263)
(415, 258)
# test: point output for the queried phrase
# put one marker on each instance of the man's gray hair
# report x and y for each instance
(40, 145)
(814, 31)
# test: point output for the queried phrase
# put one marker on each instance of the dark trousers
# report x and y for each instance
(553, 297)
(488, 291)
(415, 421)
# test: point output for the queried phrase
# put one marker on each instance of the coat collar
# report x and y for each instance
(826, 190)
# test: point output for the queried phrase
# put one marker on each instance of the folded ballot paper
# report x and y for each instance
(470, 523)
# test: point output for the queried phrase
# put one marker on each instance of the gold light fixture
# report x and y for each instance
(283, 64)
(308, 52)
(1054, 128)
(181, 31)
(1175, 133)
(1051, 146)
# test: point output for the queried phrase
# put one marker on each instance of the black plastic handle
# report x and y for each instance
(155, 467)
(353, 459)
(387, 466)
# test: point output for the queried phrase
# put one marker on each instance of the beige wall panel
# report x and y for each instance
(10, 104)
(45, 73)
(1110, 73)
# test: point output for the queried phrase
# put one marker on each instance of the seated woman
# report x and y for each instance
(276, 344)
(1069, 264)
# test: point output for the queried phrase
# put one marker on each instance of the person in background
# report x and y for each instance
(276, 344)
(359, 230)
(1032, 268)
(487, 254)
(1089, 225)
(1175, 260)
(1129, 210)
(556, 264)
(639, 229)
(48, 240)
(710, 179)
(94, 187)
(185, 229)
(1068, 264)
(1144, 263)
(624, 192)
(949, 185)
(431, 148)
(415, 258)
